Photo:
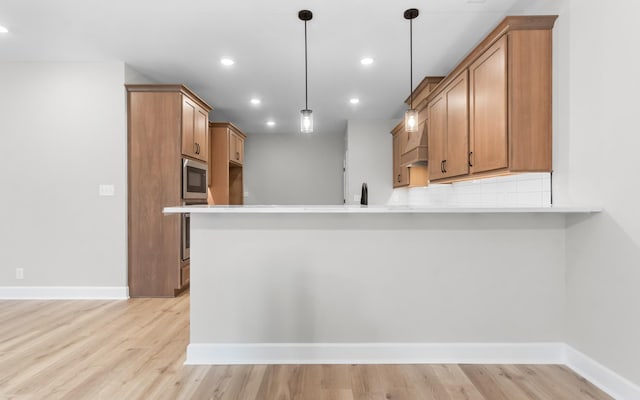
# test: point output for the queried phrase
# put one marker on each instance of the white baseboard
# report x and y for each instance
(608, 381)
(64, 292)
(414, 353)
(374, 353)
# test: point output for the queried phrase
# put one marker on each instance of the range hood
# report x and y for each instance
(416, 151)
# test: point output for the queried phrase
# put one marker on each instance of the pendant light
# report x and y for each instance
(306, 115)
(411, 116)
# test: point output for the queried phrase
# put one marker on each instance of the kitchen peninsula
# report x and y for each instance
(341, 284)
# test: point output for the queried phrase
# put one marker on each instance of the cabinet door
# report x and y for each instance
(488, 110)
(188, 117)
(240, 149)
(400, 174)
(437, 139)
(200, 136)
(236, 148)
(233, 147)
(404, 171)
(457, 138)
(396, 160)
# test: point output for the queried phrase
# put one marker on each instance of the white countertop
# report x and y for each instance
(378, 209)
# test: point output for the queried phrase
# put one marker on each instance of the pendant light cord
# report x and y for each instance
(410, 63)
(306, 86)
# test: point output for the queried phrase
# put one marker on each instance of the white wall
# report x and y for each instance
(603, 253)
(133, 76)
(369, 159)
(322, 278)
(596, 144)
(63, 131)
(294, 169)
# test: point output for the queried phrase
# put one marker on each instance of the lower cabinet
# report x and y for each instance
(184, 274)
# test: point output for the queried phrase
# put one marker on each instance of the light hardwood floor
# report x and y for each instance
(135, 350)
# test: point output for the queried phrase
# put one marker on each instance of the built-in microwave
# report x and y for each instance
(194, 180)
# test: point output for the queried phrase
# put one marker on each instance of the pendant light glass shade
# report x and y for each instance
(411, 116)
(306, 115)
(411, 121)
(306, 121)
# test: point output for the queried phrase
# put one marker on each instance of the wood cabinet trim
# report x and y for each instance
(228, 125)
(169, 88)
(424, 84)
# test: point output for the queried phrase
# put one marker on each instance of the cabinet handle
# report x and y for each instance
(444, 166)
(398, 177)
(237, 155)
(195, 148)
(470, 162)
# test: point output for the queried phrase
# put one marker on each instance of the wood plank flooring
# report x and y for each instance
(135, 349)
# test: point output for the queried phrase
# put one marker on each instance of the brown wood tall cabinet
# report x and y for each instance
(226, 186)
(161, 119)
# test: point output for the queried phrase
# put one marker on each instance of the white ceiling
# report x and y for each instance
(183, 41)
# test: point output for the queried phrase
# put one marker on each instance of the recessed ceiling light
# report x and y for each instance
(366, 61)
(226, 61)
(255, 101)
(3, 29)
(354, 101)
(271, 123)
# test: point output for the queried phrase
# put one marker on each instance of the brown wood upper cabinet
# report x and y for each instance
(226, 164)
(488, 143)
(509, 105)
(449, 130)
(195, 122)
(236, 148)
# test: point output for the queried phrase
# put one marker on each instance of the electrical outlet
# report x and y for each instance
(356, 197)
(246, 194)
(19, 273)
(106, 190)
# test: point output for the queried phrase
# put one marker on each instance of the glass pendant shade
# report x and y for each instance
(306, 121)
(411, 121)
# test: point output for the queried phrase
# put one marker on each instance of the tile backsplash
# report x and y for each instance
(521, 190)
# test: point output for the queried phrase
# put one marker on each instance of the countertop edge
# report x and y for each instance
(569, 209)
